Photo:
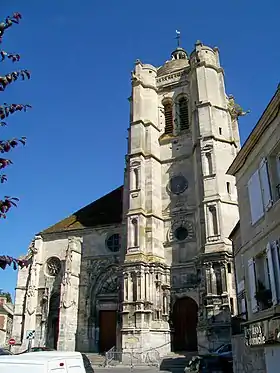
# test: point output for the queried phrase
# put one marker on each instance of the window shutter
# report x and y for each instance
(271, 273)
(168, 118)
(265, 184)
(278, 166)
(252, 285)
(255, 197)
(183, 113)
(276, 265)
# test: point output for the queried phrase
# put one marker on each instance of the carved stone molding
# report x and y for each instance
(31, 289)
(172, 78)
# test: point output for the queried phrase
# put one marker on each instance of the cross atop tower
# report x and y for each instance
(178, 37)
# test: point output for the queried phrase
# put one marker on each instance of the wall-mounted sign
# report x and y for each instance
(254, 335)
(263, 332)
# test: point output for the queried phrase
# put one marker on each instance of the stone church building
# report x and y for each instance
(148, 265)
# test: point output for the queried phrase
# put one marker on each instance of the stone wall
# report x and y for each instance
(247, 359)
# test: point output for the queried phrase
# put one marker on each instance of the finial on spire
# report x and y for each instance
(178, 37)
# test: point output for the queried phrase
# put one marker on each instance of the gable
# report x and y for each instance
(106, 210)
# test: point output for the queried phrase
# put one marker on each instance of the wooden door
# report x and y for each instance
(107, 331)
(185, 322)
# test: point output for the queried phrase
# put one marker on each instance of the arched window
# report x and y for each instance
(168, 118)
(183, 113)
(213, 212)
(134, 232)
(136, 178)
(209, 163)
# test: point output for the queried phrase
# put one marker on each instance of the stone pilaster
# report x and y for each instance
(69, 296)
(224, 277)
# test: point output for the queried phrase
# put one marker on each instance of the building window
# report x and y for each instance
(209, 163)
(53, 266)
(228, 187)
(241, 300)
(275, 163)
(278, 176)
(263, 279)
(263, 282)
(134, 223)
(136, 178)
(168, 118)
(134, 287)
(183, 113)
(220, 130)
(231, 305)
(229, 267)
(259, 192)
(214, 220)
(114, 243)
(219, 283)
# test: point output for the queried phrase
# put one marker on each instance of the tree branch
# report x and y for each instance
(9, 21)
(8, 109)
(12, 77)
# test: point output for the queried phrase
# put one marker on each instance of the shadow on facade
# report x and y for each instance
(52, 319)
(186, 231)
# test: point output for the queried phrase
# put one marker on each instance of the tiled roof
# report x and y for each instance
(104, 211)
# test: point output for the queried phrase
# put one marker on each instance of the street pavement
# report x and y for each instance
(128, 370)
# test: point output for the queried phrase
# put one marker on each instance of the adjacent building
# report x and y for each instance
(6, 321)
(256, 239)
(150, 264)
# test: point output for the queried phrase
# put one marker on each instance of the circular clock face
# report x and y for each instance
(181, 233)
(178, 184)
(181, 230)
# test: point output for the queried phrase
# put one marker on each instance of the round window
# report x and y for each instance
(53, 266)
(181, 233)
(178, 184)
(114, 242)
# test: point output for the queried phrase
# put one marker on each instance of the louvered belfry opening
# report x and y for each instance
(168, 118)
(183, 113)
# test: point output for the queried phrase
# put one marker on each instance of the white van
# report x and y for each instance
(43, 362)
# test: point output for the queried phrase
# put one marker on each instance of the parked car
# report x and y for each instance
(4, 351)
(224, 350)
(37, 349)
(209, 363)
(43, 362)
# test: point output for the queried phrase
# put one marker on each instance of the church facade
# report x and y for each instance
(149, 265)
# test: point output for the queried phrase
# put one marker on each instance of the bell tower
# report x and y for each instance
(179, 205)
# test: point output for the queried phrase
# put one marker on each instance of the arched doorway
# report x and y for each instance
(184, 319)
(104, 302)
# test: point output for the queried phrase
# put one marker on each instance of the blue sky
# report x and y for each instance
(81, 55)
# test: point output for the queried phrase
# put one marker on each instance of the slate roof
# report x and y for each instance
(106, 210)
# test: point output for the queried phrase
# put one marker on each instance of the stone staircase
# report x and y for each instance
(96, 359)
(170, 363)
(174, 362)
